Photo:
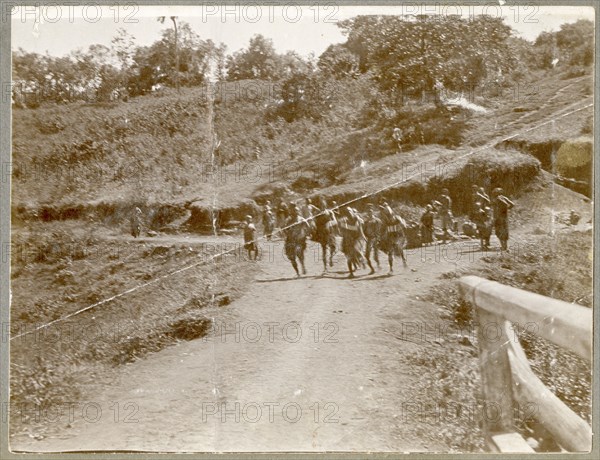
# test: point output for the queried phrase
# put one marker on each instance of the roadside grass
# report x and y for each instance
(557, 266)
(72, 270)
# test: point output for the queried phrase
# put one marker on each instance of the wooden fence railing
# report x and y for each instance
(507, 379)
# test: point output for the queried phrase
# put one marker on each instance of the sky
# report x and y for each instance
(59, 30)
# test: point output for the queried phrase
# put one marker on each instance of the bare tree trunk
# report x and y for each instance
(174, 19)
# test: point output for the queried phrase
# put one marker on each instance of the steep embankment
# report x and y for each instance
(150, 149)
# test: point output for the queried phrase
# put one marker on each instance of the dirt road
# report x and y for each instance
(294, 365)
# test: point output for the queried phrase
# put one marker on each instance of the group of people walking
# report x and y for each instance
(363, 236)
(380, 228)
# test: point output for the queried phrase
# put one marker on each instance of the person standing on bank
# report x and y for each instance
(136, 222)
(484, 225)
(501, 206)
(479, 200)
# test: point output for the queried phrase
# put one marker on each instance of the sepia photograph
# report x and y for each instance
(317, 228)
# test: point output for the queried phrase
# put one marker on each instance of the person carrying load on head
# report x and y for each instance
(393, 240)
(296, 232)
(350, 226)
(372, 231)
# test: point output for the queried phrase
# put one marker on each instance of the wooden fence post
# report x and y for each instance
(493, 339)
(507, 379)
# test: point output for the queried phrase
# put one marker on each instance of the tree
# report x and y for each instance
(291, 63)
(358, 30)
(218, 56)
(145, 72)
(525, 57)
(546, 50)
(572, 45)
(576, 42)
(158, 64)
(123, 48)
(161, 19)
(62, 80)
(304, 95)
(339, 62)
(258, 61)
(29, 72)
(421, 53)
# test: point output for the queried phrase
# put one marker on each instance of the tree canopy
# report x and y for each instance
(402, 54)
(424, 51)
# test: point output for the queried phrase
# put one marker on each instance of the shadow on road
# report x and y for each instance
(373, 277)
(292, 278)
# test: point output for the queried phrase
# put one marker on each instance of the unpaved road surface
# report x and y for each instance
(294, 365)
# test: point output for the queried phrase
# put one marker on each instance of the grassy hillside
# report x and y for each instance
(150, 148)
(99, 160)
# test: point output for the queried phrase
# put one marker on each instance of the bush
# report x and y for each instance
(574, 72)
(302, 96)
(52, 126)
(418, 125)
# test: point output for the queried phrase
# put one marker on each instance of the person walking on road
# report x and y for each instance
(282, 215)
(350, 226)
(268, 220)
(445, 212)
(250, 238)
(393, 239)
(372, 231)
(501, 207)
(325, 230)
(295, 239)
(427, 228)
